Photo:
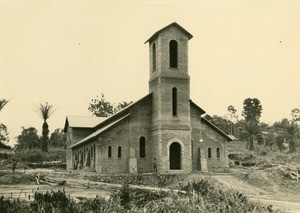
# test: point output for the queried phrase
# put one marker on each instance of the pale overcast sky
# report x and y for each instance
(68, 52)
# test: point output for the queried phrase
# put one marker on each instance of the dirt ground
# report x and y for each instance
(79, 188)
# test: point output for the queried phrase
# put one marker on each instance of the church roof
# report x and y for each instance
(197, 107)
(170, 25)
(82, 121)
(96, 133)
(106, 122)
(216, 128)
(122, 112)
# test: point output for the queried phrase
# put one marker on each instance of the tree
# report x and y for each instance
(3, 102)
(252, 109)
(3, 129)
(288, 131)
(45, 111)
(219, 121)
(251, 131)
(295, 114)
(291, 131)
(28, 139)
(57, 138)
(4, 138)
(102, 108)
(232, 117)
(121, 106)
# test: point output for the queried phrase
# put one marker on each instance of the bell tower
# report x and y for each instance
(169, 84)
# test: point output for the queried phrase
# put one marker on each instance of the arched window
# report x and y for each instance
(209, 153)
(119, 151)
(173, 53)
(174, 101)
(109, 151)
(142, 147)
(153, 57)
(218, 152)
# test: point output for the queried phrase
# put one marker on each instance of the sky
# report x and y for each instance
(69, 52)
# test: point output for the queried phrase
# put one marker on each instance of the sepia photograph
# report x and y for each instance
(149, 106)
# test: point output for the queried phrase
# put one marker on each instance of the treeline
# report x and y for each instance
(283, 135)
(29, 139)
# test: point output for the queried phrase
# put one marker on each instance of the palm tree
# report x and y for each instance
(251, 130)
(45, 111)
(290, 132)
(3, 102)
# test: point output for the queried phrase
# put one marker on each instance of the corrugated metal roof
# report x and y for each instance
(95, 134)
(82, 121)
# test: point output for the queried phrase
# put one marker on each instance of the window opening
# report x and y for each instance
(119, 151)
(109, 151)
(142, 147)
(218, 152)
(174, 101)
(209, 153)
(173, 48)
(153, 57)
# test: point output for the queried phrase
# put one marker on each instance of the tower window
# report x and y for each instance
(173, 52)
(109, 152)
(218, 152)
(209, 153)
(142, 147)
(174, 101)
(153, 57)
(119, 151)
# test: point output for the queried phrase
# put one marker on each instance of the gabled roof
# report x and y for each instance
(95, 134)
(82, 121)
(197, 107)
(216, 128)
(170, 25)
(121, 112)
(108, 122)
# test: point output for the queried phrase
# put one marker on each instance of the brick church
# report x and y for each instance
(163, 132)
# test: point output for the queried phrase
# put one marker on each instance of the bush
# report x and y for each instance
(38, 156)
(53, 202)
(200, 196)
(10, 205)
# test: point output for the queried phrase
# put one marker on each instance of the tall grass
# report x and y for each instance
(200, 196)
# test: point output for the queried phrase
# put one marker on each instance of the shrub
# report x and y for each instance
(53, 202)
(10, 205)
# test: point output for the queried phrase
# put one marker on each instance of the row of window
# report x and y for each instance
(173, 55)
(209, 154)
(109, 150)
(142, 148)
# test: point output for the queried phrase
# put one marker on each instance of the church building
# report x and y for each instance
(163, 132)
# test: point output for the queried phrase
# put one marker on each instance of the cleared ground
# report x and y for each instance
(78, 187)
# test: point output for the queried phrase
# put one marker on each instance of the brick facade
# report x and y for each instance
(165, 125)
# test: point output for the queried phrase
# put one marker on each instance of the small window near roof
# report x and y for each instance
(153, 57)
(173, 54)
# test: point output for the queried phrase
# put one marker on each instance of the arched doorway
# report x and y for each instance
(175, 156)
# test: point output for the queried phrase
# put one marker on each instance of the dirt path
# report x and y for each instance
(286, 202)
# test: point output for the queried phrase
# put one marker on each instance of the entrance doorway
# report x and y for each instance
(175, 156)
